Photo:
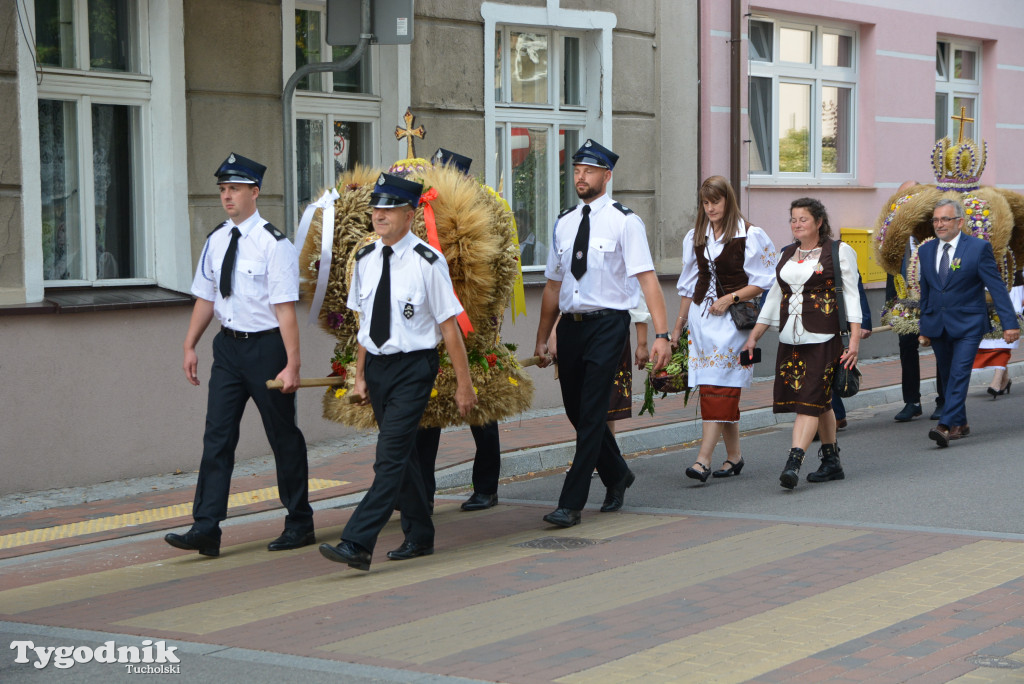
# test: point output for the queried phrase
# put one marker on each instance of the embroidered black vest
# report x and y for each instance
(728, 267)
(819, 313)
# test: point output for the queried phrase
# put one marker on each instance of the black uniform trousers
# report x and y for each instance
(399, 386)
(588, 358)
(486, 460)
(241, 368)
(910, 362)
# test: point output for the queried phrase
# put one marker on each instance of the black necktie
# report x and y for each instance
(380, 319)
(944, 265)
(582, 244)
(227, 268)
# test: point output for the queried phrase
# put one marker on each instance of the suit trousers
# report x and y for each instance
(399, 386)
(241, 368)
(486, 460)
(588, 358)
(954, 358)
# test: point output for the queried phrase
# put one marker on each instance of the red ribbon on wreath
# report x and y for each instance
(431, 223)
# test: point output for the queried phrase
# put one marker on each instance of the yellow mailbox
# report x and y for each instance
(862, 241)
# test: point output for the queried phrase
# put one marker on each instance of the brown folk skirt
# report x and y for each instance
(719, 404)
(620, 405)
(803, 377)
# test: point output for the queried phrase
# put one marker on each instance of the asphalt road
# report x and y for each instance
(895, 475)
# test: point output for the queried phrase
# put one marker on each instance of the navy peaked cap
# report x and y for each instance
(392, 191)
(239, 169)
(444, 157)
(594, 154)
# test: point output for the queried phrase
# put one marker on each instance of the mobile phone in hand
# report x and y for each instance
(746, 360)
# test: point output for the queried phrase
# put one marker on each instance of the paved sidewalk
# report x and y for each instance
(641, 595)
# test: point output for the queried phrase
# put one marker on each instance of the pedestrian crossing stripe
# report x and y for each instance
(114, 522)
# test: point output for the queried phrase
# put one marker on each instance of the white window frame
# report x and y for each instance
(818, 77)
(592, 118)
(953, 87)
(157, 89)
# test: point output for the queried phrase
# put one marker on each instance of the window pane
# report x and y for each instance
(941, 115)
(941, 70)
(836, 50)
(498, 96)
(55, 33)
(795, 45)
(571, 73)
(963, 65)
(352, 145)
(836, 126)
(760, 100)
(309, 160)
(966, 105)
(761, 37)
(530, 191)
(356, 79)
(529, 61)
(110, 35)
(568, 143)
(116, 243)
(307, 46)
(794, 136)
(58, 161)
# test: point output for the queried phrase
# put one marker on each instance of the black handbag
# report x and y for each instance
(846, 382)
(744, 314)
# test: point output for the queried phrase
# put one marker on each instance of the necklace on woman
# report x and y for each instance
(805, 254)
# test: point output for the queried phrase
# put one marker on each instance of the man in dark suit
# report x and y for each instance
(955, 270)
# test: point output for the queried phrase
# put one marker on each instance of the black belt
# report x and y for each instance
(590, 315)
(239, 335)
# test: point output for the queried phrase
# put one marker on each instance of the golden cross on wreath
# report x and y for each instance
(409, 133)
(963, 118)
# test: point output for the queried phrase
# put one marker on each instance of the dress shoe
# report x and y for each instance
(733, 469)
(292, 539)
(998, 393)
(936, 414)
(194, 541)
(409, 550)
(616, 494)
(563, 517)
(694, 474)
(959, 432)
(479, 502)
(909, 412)
(347, 552)
(940, 433)
(841, 424)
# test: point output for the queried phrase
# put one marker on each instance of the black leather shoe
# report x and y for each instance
(616, 494)
(194, 541)
(409, 550)
(909, 413)
(292, 539)
(940, 433)
(347, 552)
(563, 517)
(480, 502)
(701, 474)
(732, 469)
(936, 414)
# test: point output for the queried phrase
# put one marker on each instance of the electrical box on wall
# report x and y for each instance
(390, 20)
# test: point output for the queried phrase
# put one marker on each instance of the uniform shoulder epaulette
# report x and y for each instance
(367, 249)
(625, 210)
(566, 211)
(427, 253)
(219, 226)
(270, 228)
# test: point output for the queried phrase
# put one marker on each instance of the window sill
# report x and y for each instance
(803, 185)
(92, 299)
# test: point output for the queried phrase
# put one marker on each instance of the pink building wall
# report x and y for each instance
(895, 99)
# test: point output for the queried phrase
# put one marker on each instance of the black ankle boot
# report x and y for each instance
(831, 468)
(791, 474)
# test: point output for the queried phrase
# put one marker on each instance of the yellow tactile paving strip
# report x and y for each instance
(443, 635)
(246, 607)
(775, 638)
(113, 522)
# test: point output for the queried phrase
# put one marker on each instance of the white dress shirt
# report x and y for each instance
(266, 273)
(952, 250)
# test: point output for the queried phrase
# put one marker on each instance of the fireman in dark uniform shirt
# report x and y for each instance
(403, 294)
(597, 249)
(248, 276)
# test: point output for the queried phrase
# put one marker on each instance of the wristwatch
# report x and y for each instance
(663, 336)
(735, 298)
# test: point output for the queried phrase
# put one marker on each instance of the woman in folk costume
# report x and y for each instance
(802, 304)
(995, 353)
(725, 261)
